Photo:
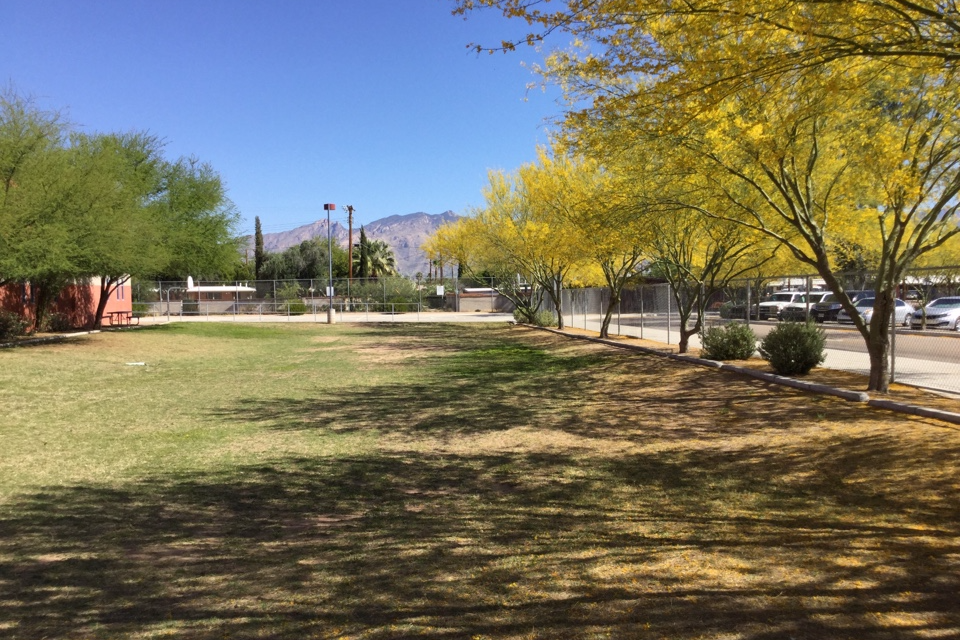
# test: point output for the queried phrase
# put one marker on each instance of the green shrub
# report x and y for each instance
(545, 319)
(293, 308)
(538, 318)
(734, 341)
(12, 325)
(142, 308)
(289, 291)
(524, 316)
(793, 348)
(57, 323)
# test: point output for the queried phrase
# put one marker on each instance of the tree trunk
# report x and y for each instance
(605, 324)
(44, 295)
(554, 290)
(879, 365)
(878, 343)
(685, 333)
(101, 304)
(558, 306)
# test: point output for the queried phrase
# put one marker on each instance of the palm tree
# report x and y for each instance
(375, 259)
(382, 260)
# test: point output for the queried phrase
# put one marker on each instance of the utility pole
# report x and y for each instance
(350, 243)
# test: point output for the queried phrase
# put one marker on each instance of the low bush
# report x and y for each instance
(793, 348)
(538, 318)
(12, 325)
(293, 308)
(57, 323)
(545, 319)
(734, 341)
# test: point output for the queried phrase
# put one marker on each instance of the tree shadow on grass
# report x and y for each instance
(590, 392)
(501, 546)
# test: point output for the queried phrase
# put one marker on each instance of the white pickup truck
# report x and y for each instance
(771, 306)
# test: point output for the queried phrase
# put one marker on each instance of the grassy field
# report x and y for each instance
(455, 481)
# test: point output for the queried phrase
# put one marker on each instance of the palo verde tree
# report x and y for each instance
(870, 153)
(198, 221)
(699, 256)
(486, 252)
(602, 224)
(528, 225)
(811, 118)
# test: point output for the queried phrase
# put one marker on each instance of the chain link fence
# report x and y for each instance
(272, 298)
(925, 343)
(925, 348)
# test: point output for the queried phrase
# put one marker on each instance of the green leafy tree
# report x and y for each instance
(258, 252)
(76, 206)
(361, 265)
(35, 236)
(305, 261)
(198, 220)
(116, 232)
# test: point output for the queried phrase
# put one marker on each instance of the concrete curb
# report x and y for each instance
(846, 394)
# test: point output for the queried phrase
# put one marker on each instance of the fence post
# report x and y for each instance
(619, 309)
(601, 308)
(641, 310)
(748, 304)
(669, 297)
(893, 341)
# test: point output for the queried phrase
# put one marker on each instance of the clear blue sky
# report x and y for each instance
(374, 103)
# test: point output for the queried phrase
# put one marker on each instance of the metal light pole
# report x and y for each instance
(349, 252)
(328, 208)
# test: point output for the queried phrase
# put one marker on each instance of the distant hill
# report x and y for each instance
(404, 233)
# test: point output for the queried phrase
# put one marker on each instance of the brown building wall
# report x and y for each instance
(78, 303)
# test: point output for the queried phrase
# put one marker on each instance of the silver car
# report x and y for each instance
(942, 313)
(864, 306)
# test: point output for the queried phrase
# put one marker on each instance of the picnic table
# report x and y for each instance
(122, 318)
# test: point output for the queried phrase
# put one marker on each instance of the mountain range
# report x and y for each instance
(405, 234)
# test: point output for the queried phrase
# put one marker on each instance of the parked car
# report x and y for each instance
(770, 307)
(864, 306)
(941, 313)
(828, 308)
(797, 311)
(737, 310)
